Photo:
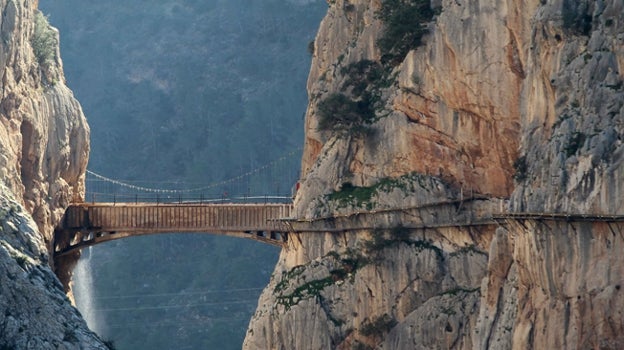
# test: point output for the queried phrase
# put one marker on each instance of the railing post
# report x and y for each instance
(157, 199)
(136, 199)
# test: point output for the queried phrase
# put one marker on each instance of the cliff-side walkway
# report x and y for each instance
(87, 224)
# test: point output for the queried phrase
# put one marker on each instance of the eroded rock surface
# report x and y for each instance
(43, 155)
(35, 313)
(519, 102)
(44, 137)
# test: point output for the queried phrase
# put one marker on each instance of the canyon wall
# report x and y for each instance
(512, 106)
(44, 147)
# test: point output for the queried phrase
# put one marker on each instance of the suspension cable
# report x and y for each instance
(198, 189)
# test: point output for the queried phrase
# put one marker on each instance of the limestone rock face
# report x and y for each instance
(44, 137)
(572, 145)
(517, 102)
(44, 146)
(34, 311)
(561, 289)
(390, 290)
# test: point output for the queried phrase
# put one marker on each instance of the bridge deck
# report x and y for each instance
(91, 223)
(87, 224)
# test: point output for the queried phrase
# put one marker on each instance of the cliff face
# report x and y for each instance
(514, 105)
(43, 135)
(34, 311)
(43, 156)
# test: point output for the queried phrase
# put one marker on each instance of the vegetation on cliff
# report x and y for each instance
(44, 41)
(404, 26)
(355, 107)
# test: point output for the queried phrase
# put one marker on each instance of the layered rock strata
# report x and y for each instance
(519, 102)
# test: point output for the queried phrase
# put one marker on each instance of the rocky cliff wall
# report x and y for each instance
(519, 101)
(43, 155)
(43, 133)
(35, 313)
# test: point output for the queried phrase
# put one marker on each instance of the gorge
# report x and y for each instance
(515, 105)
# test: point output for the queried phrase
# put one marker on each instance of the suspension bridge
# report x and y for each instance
(250, 205)
(133, 209)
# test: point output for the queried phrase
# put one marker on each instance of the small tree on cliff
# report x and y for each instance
(44, 40)
(404, 26)
(341, 114)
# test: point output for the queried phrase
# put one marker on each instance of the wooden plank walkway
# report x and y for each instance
(573, 217)
(87, 224)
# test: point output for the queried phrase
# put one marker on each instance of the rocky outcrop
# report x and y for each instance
(392, 289)
(521, 101)
(553, 285)
(34, 311)
(571, 155)
(43, 155)
(44, 136)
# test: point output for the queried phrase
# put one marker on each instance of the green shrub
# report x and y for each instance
(404, 26)
(471, 249)
(400, 233)
(353, 195)
(305, 291)
(287, 277)
(361, 196)
(44, 41)
(341, 114)
(357, 196)
(354, 261)
(378, 243)
(521, 167)
(378, 327)
(362, 76)
(351, 110)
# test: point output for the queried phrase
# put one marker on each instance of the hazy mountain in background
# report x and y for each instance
(195, 92)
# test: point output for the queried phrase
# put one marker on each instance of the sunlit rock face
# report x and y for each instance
(44, 136)
(513, 101)
(43, 155)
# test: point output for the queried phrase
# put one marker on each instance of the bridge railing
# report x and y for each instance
(100, 189)
(180, 198)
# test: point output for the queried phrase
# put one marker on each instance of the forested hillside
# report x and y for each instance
(193, 92)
